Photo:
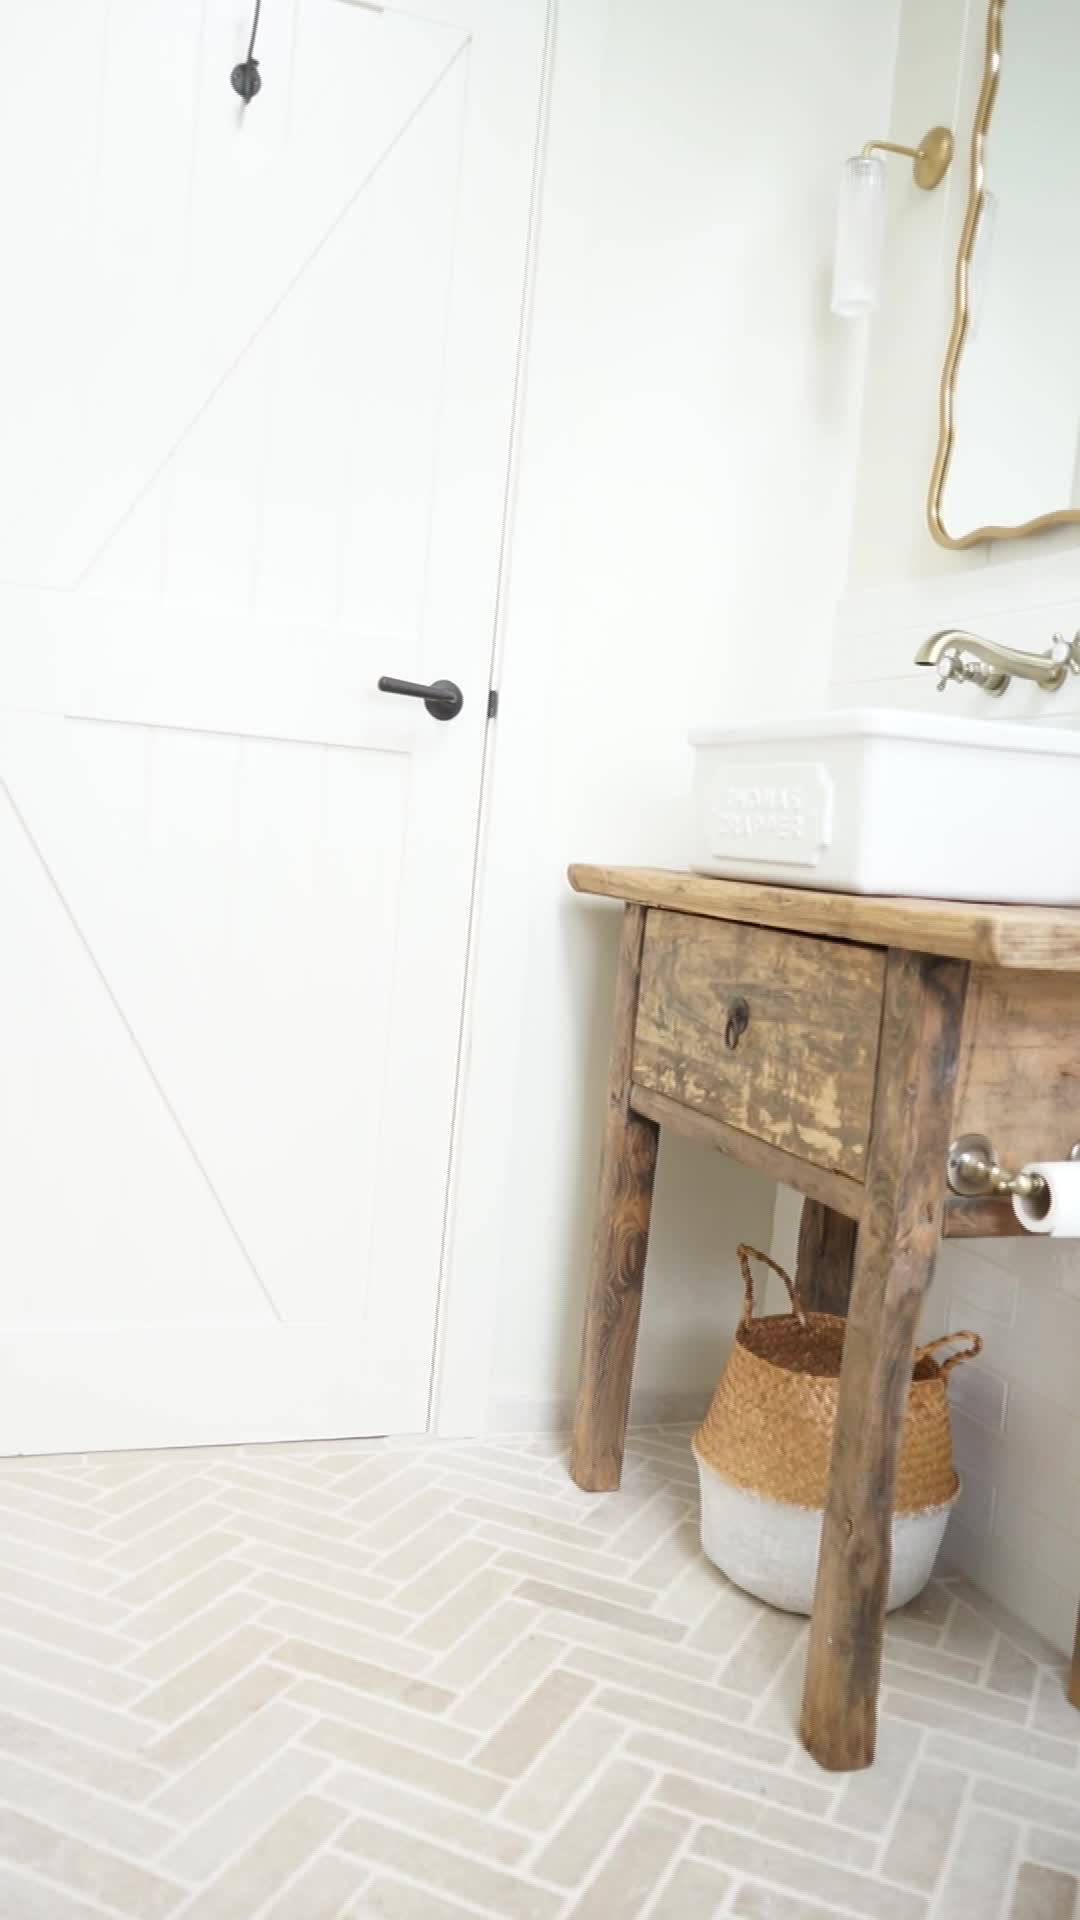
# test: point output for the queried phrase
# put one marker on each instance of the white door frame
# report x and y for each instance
(474, 1238)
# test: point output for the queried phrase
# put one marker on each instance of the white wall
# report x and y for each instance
(1017, 1412)
(678, 545)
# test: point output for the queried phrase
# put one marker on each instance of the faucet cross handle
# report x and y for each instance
(1066, 653)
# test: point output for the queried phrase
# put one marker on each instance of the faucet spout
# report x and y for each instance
(987, 663)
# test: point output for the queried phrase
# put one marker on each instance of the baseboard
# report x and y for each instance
(649, 1407)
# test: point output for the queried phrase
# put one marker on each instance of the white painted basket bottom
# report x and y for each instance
(771, 1550)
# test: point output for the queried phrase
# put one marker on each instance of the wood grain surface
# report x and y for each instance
(826, 1258)
(800, 1075)
(996, 936)
(620, 1243)
(834, 1190)
(894, 1258)
(1019, 1074)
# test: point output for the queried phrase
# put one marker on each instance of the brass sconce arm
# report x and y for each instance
(930, 159)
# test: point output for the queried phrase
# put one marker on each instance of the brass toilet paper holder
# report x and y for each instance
(974, 1171)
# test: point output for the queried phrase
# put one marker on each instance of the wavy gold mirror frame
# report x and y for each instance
(959, 334)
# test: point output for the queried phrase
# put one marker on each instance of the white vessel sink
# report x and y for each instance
(869, 801)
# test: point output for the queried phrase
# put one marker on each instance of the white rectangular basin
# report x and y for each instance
(869, 801)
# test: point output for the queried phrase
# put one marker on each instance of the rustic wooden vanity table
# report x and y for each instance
(838, 1043)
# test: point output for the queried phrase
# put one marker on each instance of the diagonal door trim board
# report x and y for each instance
(144, 1058)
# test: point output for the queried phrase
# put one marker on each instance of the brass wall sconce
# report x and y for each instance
(860, 221)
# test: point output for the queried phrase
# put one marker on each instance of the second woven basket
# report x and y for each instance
(764, 1447)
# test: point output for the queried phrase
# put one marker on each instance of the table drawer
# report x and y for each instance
(775, 1033)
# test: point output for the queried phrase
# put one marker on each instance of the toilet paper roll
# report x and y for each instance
(1057, 1211)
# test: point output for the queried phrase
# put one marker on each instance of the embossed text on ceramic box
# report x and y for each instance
(775, 810)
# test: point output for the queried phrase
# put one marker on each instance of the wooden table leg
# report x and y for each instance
(1074, 1671)
(620, 1243)
(825, 1259)
(894, 1259)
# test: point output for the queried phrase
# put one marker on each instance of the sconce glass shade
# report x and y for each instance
(860, 237)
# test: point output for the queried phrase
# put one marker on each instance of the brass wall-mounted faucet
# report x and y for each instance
(987, 664)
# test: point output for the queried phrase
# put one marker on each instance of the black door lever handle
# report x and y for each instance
(442, 699)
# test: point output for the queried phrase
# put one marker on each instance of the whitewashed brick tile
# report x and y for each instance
(90, 1815)
(572, 1850)
(801, 1873)
(693, 1891)
(951, 1693)
(203, 1849)
(63, 1753)
(507, 1683)
(202, 1550)
(727, 1770)
(587, 1742)
(206, 1675)
(294, 1623)
(194, 1735)
(679, 1549)
(383, 1716)
(755, 1902)
(433, 1583)
(330, 1887)
(968, 1633)
(992, 1615)
(440, 1629)
(163, 1615)
(259, 1871)
(359, 1747)
(258, 1737)
(537, 1520)
(762, 1652)
(436, 1819)
(379, 1619)
(165, 1541)
(75, 1515)
(708, 1731)
(1043, 1893)
(649, 1521)
(731, 1615)
(26, 1899)
(620, 1593)
(25, 1558)
(17, 1525)
(1011, 1671)
(388, 1899)
(1053, 1712)
(71, 1713)
(58, 1596)
(1058, 1777)
(475, 1652)
(344, 1671)
(928, 1660)
(693, 1594)
(981, 1869)
(245, 1507)
(975, 1726)
(638, 1864)
(671, 1657)
(175, 1650)
(1041, 1809)
(85, 1869)
(448, 1873)
(264, 1541)
(528, 1728)
(565, 1600)
(388, 1533)
(655, 1680)
(138, 1522)
(268, 1479)
(162, 1477)
(383, 1494)
(325, 1890)
(703, 1799)
(557, 1554)
(33, 1660)
(924, 1830)
(1054, 1848)
(868, 1800)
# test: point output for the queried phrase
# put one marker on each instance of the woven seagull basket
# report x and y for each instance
(764, 1447)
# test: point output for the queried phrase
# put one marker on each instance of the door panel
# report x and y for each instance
(236, 878)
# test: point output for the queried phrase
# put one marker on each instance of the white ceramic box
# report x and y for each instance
(872, 801)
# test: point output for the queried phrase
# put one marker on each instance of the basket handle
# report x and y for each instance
(746, 1254)
(955, 1359)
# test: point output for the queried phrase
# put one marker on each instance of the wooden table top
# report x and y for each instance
(1042, 938)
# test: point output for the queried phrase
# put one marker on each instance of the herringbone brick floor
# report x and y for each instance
(418, 1681)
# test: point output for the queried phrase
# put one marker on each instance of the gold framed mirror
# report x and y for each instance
(1008, 452)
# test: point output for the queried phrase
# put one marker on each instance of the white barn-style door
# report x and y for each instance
(256, 384)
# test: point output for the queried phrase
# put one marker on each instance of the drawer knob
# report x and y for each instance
(737, 1022)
